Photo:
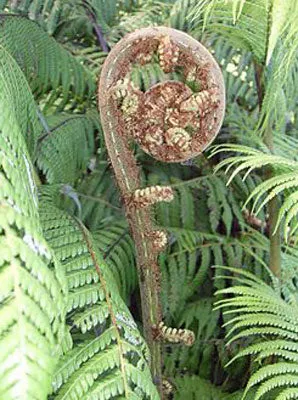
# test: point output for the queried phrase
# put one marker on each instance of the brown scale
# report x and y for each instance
(143, 50)
(173, 335)
(168, 54)
(159, 239)
(142, 198)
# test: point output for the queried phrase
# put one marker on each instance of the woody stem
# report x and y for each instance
(127, 176)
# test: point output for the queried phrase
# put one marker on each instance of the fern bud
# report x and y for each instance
(174, 335)
(159, 239)
(179, 138)
(167, 387)
(150, 195)
(168, 54)
(202, 102)
(154, 138)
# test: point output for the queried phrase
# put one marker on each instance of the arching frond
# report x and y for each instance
(111, 358)
(258, 310)
(45, 63)
(46, 13)
(32, 288)
(244, 26)
(284, 180)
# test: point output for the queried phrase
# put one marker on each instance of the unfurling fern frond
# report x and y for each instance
(109, 357)
(256, 310)
(45, 63)
(32, 288)
(65, 150)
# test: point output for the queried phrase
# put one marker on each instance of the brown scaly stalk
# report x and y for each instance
(171, 123)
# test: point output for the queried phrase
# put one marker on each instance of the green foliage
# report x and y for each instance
(193, 388)
(283, 181)
(109, 357)
(263, 28)
(45, 63)
(32, 284)
(57, 155)
(66, 321)
(117, 247)
(258, 310)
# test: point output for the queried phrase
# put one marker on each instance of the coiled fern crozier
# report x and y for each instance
(172, 122)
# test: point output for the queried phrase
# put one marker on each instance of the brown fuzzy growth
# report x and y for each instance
(173, 335)
(168, 388)
(159, 239)
(151, 117)
(168, 53)
(150, 195)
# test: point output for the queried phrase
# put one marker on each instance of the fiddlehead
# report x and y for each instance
(172, 121)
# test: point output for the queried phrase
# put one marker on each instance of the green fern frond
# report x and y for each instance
(17, 95)
(261, 312)
(46, 13)
(248, 32)
(194, 387)
(32, 289)
(45, 63)
(99, 197)
(117, 246)
(284, 180)
(111, 357)
(65, 151)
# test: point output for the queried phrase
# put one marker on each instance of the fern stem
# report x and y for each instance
(109, 303)
(273, 206)
(97, 28)
(127, 176)
(273, 210)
